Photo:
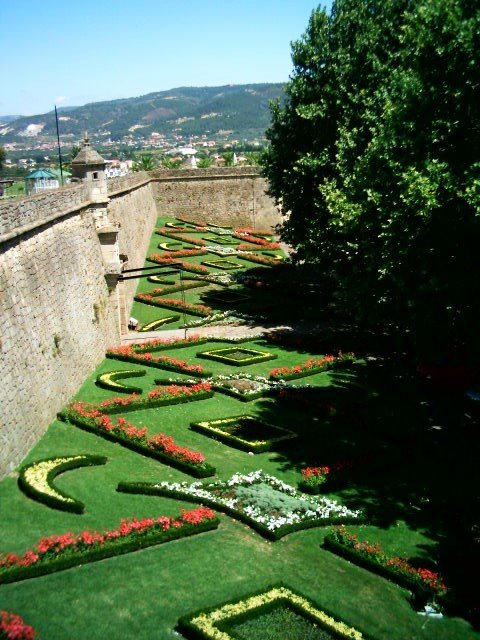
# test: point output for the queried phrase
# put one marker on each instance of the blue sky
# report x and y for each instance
(72, 53)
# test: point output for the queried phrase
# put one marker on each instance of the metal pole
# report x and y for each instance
(59, 151)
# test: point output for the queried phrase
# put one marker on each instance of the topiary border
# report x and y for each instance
(64, 502)
(324, 364)
(262, 356)
(235, 613)
(112, 384)
(151, 326)
(207, 427)
(184, 266)
(114, 547)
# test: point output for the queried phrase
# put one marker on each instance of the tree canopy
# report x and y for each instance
(374, 157)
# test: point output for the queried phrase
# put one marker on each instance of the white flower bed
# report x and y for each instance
(313, 508)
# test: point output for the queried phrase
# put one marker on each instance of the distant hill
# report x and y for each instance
(188, 111)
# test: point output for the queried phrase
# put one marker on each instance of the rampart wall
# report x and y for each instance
(58, 314)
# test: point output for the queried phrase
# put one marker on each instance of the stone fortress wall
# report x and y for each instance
(59, 311)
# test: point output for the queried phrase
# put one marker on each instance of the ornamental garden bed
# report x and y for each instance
(244, 432)
(265, 503)
(311, 367)
(36, 480)
(426, 584)
(167, 363)
(109, 380)
(156, 324)
(237, 357)
(184, 265)
(59, 552)
(227, 265)
(275, 613)
(175, 305)
(159, 446)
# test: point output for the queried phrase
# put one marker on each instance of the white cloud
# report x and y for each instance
(61, 100)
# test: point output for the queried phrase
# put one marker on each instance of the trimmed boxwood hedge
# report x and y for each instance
(222, 356)
(88, 424)
(76, 462)
(115, 547)
(120, 375)
(238, 442)
(152, 326)
(189, 630)
(153, 490)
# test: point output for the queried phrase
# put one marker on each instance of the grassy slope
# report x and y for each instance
(141, 595)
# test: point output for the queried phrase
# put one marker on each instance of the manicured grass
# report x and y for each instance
(399, 477)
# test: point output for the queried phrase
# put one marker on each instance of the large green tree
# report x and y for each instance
(374, 157)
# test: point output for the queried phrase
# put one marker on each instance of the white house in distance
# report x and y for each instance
(116, 168)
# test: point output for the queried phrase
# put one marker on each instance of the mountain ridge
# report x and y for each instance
(242, 110)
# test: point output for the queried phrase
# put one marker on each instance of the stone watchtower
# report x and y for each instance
(89, 167)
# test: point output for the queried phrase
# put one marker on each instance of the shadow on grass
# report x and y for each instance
(414, 458)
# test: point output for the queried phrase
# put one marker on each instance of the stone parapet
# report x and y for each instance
(35, 210)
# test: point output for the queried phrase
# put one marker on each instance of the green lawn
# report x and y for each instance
(377, 420)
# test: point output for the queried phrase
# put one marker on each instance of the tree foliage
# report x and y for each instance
(3, 155)
(374, 156)
(144, 163)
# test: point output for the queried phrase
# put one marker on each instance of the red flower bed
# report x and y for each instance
(157, 344)
(175, 303)
(163, 393)
(393, 566)
(12, 627)
(68, 549)
(173, 233)
(185, 253)
(310, 367)
(252, 257)
(186, 266)
(263, 247)
(95, 419)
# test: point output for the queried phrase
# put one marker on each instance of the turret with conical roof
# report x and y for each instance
(89, 166)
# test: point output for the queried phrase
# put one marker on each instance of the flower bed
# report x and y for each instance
(243, 386)
(59, 552)
(176, 235)
(310, 367)
(159, 446)
(12, 627)
(161, 396)
(109, 380)
(267, 246)
(244, 432)
(265, 503)
(165, 291)
(237, 357)
(183, 253)
(252, 257)
(371, 556)
(36, 480)
(176, 305)
(227, 265)
(151, 326)
(222, 279)
(127, 354)
(185, 266)
(221, 622)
